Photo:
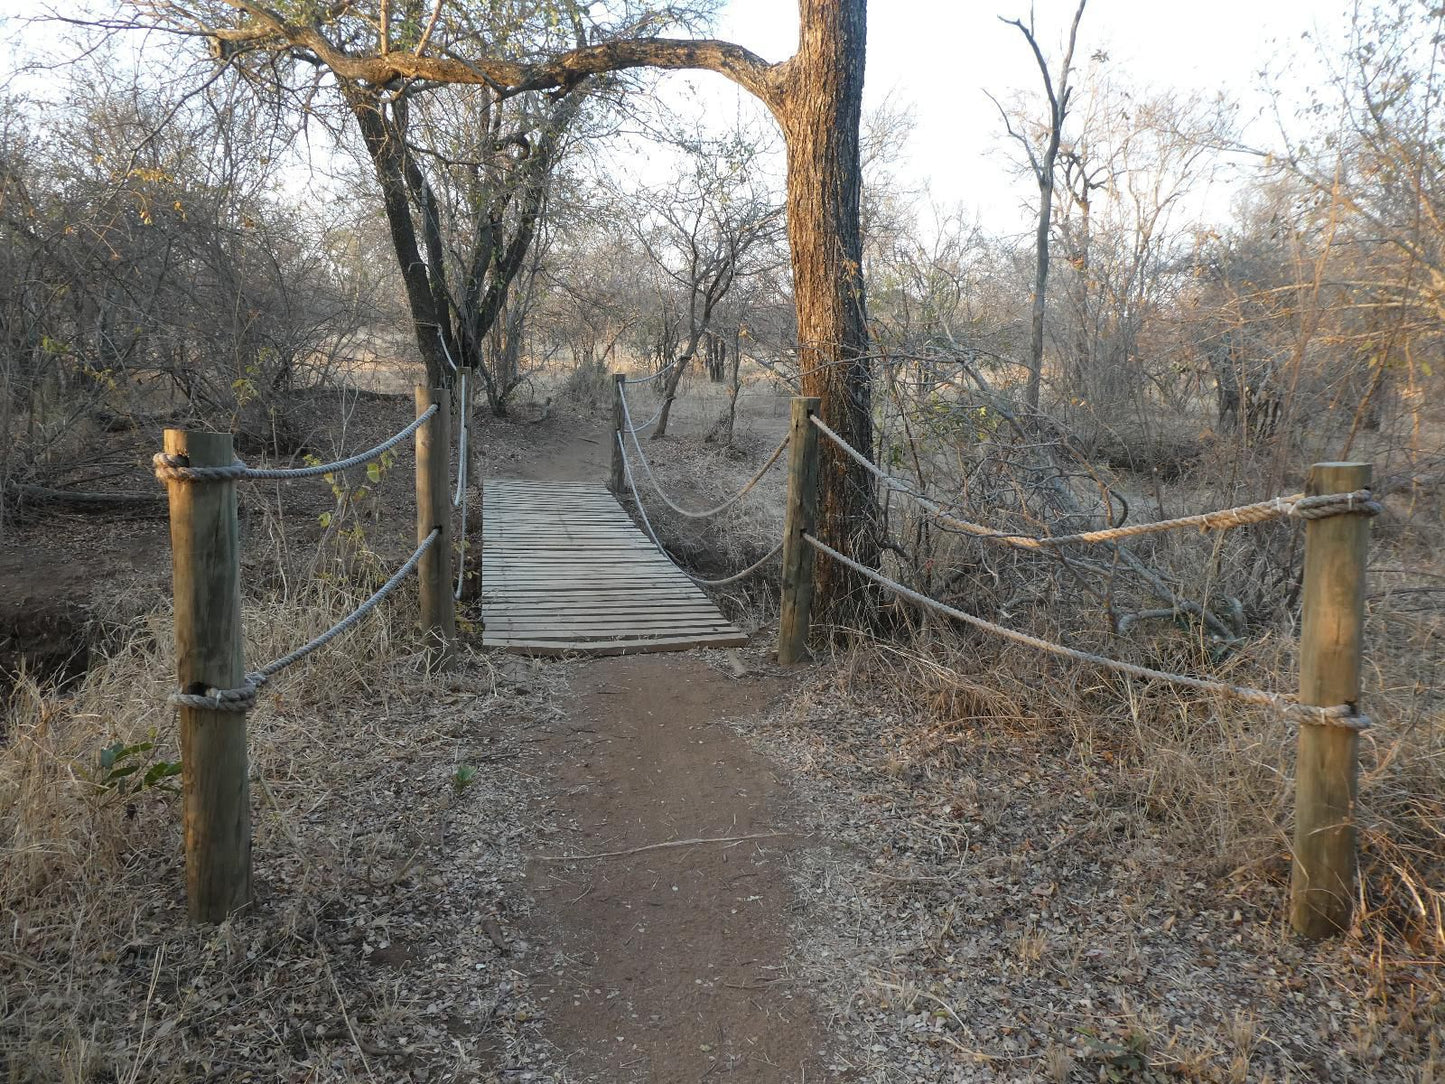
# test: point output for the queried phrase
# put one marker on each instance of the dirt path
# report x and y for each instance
(666, 965)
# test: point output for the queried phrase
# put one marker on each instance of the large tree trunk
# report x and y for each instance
(819, 113)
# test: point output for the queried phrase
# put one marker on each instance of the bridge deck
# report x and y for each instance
(565, 570)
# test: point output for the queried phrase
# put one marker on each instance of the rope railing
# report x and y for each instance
(198, 468)
(650, 421)
(243, 698)
(1357, 502)
(175, 468)
(1344, 715)
(662, 494)
(446, 353)
(652, 534)
(657, 375)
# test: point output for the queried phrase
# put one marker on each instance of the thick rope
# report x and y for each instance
(244, 697)
(686, 512)
(1359, 503)
(445, 352)
(174, 468)
(647, 524)
(459, 495)
(1343, 715)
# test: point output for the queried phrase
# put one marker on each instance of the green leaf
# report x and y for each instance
(373, 471)
(161, 769)
(324, 519)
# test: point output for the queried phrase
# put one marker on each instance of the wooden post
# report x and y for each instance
(1322, 888)
(471, 553)
(801, 516)
(434, 510)
(618, 481)
(215, 787)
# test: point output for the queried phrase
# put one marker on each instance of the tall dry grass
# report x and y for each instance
(103, 979)
(1222, 605)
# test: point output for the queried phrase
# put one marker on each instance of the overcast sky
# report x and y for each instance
(937, 57)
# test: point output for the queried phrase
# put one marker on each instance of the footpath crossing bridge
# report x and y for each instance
(566, 571)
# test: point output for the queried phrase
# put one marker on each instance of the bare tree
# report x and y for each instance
(815, 96)
(1042, 150)
(715, 225)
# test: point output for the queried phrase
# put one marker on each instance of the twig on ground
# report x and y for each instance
(658, 847)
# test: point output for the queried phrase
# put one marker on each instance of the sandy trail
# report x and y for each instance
(668, 964)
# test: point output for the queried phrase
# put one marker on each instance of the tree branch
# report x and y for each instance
(261, 26)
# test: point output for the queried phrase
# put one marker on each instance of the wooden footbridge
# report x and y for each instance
(566, 571)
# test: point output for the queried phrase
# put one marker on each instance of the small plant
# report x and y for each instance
(1126, 1060)
(120, 763)
(463, 777)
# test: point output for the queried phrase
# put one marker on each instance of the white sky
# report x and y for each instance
(937, 57)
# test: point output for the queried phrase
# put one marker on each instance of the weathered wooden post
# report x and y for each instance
(215, 787)
(801, 515)
(1322, 887)
(618, 482)
(434, 511)
(471, 550)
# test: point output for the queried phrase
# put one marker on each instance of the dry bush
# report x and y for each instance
(1222, 605)
(352, 755)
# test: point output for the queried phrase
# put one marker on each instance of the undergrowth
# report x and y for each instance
(352, 757)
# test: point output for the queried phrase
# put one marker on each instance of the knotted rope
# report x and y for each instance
(244, 697)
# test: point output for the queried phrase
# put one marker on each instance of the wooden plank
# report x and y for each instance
(620, 647)
(566, 571)
(611, 623)
(610, 635)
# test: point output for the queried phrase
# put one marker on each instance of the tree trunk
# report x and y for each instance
(1041, 282)
(816, 96)
(669, 391)
(819, 113)
(388, 160)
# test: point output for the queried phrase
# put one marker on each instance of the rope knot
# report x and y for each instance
(1360, 502)
(240, 699)
(1345, 716)
(177, 468)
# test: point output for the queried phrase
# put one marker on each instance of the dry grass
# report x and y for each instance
(354, 790)
(963, 768)
(1040, 871)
